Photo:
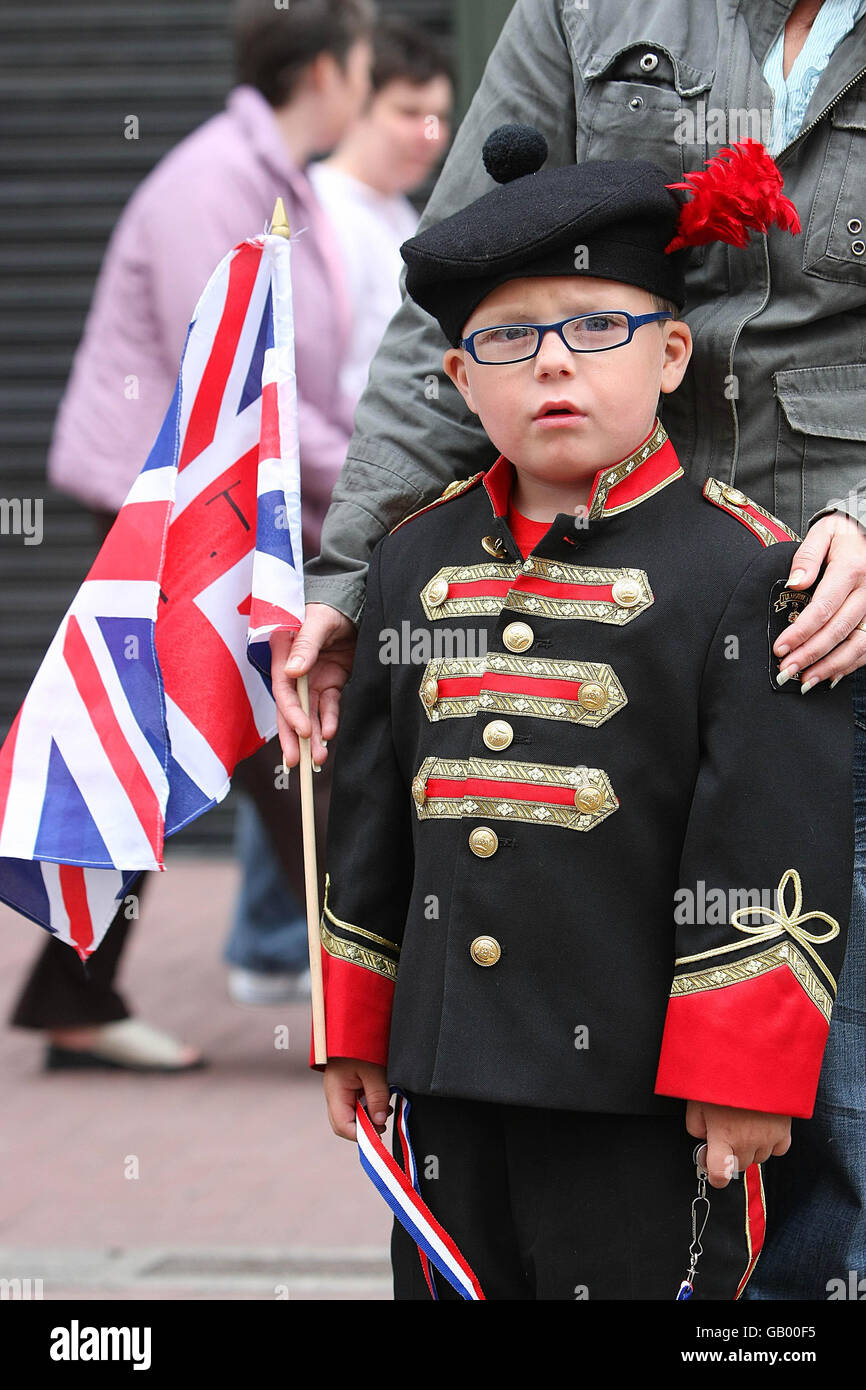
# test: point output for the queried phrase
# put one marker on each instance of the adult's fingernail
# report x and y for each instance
(784, 676)
(797, 576)
(835, 681)
(380, 1117)
(295, 662)
(807, 685)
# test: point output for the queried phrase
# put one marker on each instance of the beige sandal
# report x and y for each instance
(131, 1044)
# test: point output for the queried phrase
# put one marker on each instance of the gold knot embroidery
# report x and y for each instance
(789, 922)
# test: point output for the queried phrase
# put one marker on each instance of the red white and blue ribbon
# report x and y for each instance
(402, 1193)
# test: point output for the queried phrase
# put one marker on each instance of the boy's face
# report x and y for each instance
(615, 392)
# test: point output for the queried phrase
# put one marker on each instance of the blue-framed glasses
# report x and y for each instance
(516, 342)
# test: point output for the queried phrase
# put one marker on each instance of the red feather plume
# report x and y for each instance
(740, 187)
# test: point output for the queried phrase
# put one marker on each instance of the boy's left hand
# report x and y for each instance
(735, 1138)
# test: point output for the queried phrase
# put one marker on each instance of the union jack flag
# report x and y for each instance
(157, 682)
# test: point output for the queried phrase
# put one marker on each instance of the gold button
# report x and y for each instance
(498, 733)
(485, 950)
(430, 691)
(591, 695)
(734, 496)
(419, 791)
(437, 592)
(588, 798)
(493, 545)
(517, 637)
(483, 841)
(626, 593)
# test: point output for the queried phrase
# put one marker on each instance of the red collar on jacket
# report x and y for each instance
(651, 467)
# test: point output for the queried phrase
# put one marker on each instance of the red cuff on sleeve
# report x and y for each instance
(757, 1045)
(357, 1011)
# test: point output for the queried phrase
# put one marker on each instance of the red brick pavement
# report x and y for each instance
(242, 1186)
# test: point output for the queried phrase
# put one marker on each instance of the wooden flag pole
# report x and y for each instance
(280, 227)
(311, 882)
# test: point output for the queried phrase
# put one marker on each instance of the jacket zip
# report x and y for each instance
(828, 107)
(763, 305)
(760, 309)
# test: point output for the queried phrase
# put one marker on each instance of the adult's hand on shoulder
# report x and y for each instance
(825, 641)
(324, 647)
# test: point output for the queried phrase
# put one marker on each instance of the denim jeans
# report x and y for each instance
(817, 1191)
(269, 931)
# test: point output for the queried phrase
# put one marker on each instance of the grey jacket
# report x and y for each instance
(774, 399)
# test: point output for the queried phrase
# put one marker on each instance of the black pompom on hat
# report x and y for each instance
(513, 150)
(617, 214)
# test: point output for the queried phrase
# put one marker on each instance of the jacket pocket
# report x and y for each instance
(639, 114)
(821, 438)
(637, 110)
(835, 244)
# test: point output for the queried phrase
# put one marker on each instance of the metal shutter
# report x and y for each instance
(69, 75)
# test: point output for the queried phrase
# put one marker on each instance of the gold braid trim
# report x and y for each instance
(562, 707)
(714, 492)
(358, 955)
(365, 956)
(520, 601)
(591, 784)
(785, 923)
(734, 972)
(621, 470)
(350, 926)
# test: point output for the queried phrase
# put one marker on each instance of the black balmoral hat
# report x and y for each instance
(536, 222)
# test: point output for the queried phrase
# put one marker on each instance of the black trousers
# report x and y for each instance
(559, 1204)
(62, 992)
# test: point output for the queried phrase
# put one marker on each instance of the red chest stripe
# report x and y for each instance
(453, 686)
(484, 588)
(532, 584)
(528, 584)
(492, 786)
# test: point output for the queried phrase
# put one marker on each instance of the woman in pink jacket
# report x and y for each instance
(304, 77)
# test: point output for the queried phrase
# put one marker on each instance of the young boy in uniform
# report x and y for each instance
(588, 863)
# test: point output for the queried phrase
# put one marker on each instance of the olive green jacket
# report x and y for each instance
(774, 398)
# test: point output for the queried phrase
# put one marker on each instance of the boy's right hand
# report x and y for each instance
(345, 1079)
(325, 647)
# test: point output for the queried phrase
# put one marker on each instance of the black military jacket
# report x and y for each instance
(563, 788)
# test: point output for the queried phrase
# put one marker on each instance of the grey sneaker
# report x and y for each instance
(258, 988)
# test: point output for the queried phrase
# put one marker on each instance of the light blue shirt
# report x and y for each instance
(834, 20)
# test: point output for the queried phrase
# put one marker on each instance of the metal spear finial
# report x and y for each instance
(279, 221)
